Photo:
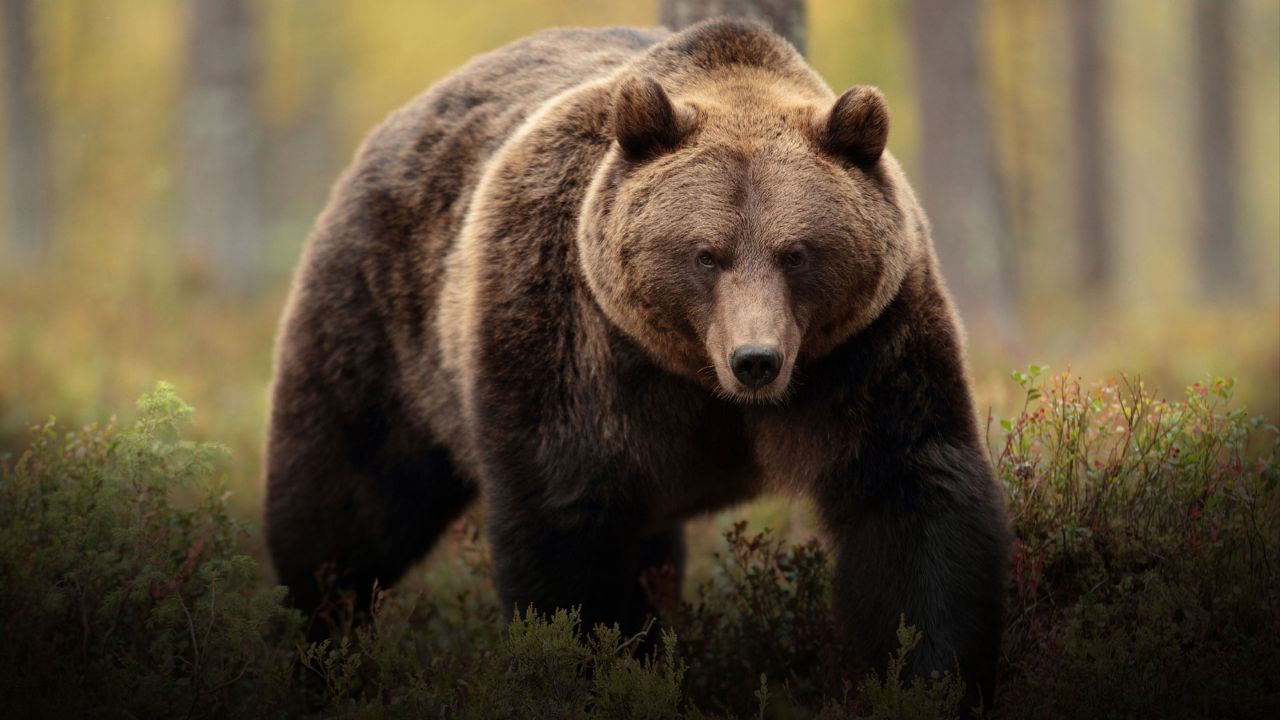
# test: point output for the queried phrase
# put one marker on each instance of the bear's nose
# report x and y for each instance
(755, 365)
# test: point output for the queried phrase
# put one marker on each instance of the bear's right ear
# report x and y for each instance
(645, 120)
(858, 126)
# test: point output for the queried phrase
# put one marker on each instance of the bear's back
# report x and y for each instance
(393, 215)
(422, 163)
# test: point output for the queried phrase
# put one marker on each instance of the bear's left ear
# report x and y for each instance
(857, 127)
(645, 120)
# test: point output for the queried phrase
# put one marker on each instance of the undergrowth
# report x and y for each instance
(1146, 579)
(1145, 584)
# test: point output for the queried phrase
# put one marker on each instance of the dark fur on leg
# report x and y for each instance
(929, 549)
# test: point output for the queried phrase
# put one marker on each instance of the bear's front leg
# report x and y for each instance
(565, 557)
(922, 535)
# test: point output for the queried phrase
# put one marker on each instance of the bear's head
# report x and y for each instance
(741, 226)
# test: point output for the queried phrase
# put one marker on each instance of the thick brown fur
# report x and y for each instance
(532, 280)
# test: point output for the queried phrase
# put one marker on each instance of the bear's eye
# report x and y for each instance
(706, 260)
(794, 259)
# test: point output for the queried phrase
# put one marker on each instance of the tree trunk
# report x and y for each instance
(1021, 122)
(302, 152)
(1089, 145)
(223, 219)
(26, 156)
(960, 182)
(1218, 240)
(785, 17)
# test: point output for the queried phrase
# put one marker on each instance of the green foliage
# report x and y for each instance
(905, 698)
(1145, 572)
(540, 667)
(118, 594)
(765, 610)
(1144, 585)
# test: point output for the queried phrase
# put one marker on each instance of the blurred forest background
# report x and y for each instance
(1103, 178)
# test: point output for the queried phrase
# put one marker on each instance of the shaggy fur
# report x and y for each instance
(532, 279)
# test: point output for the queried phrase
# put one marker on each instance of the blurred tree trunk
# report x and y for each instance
(960, 181)
(223, 207)
(1218, 240)
(26, 157)
(1021, 122)
(785, 17)
(1089, 145)
(303, 150)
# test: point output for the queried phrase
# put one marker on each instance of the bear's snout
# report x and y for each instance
(753, 338)
(755, 365)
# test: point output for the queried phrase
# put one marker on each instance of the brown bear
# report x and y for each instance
(618, 278)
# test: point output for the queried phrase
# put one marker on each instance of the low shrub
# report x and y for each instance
(123, 591)
(1145, 574)
(1145, 584)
